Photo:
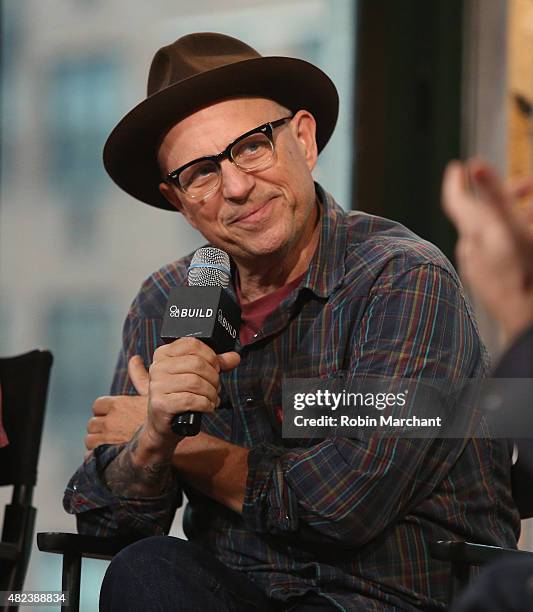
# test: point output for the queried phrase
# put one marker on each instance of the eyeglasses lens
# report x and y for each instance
(199, 178)
(254, 152)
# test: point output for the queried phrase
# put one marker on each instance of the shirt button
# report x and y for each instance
(249, 401)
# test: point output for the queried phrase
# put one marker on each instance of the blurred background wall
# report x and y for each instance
(74, 248)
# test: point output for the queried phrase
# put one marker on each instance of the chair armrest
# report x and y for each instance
(471, 554)
(94, 547)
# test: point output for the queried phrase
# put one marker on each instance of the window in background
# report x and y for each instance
(79, 331)
(82, 104)
(11, 25)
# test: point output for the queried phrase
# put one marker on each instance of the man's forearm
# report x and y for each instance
(140, 470)
(215, 467)
(211, 465)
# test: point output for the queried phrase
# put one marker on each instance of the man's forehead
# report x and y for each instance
(219, 123)
(242, 106)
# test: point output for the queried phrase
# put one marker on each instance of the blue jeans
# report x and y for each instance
(163, 574)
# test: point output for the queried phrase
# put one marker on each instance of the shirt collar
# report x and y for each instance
(326, 270)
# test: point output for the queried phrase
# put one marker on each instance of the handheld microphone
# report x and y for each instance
(203, 310)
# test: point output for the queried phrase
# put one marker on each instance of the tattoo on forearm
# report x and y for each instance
(125, 478)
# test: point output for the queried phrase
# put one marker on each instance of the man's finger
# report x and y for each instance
(94, 425)
(187, 346)
(138, 375)
(101, 405)
(189, 364)
(228, 361)
(92, 441)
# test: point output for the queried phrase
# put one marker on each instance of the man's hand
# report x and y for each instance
(184, 376)
(495, 246)
(117, 418)
(184, 368)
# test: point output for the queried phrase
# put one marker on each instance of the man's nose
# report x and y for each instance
(236, 184)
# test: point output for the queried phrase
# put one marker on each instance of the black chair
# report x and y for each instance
(464, 556)
(75, 547)
(24, 385)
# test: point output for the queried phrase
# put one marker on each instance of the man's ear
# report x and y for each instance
(305, 132)
(171, 196)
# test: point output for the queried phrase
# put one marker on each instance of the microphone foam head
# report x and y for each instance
(209, 267)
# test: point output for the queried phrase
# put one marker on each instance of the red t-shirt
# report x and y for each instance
(254, 314)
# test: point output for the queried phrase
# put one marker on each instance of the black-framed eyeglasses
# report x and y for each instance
(251, 152)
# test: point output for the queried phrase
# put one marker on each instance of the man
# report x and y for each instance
(335, 523)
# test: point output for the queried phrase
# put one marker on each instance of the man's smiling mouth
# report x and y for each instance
(255, 214)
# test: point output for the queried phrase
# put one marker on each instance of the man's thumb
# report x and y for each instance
(138, 375)
(228, 361)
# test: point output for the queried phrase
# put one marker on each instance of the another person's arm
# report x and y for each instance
(495, 243)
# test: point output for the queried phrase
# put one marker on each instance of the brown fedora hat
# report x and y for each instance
(198, 70)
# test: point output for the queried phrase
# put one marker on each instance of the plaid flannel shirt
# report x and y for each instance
(346, 518)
